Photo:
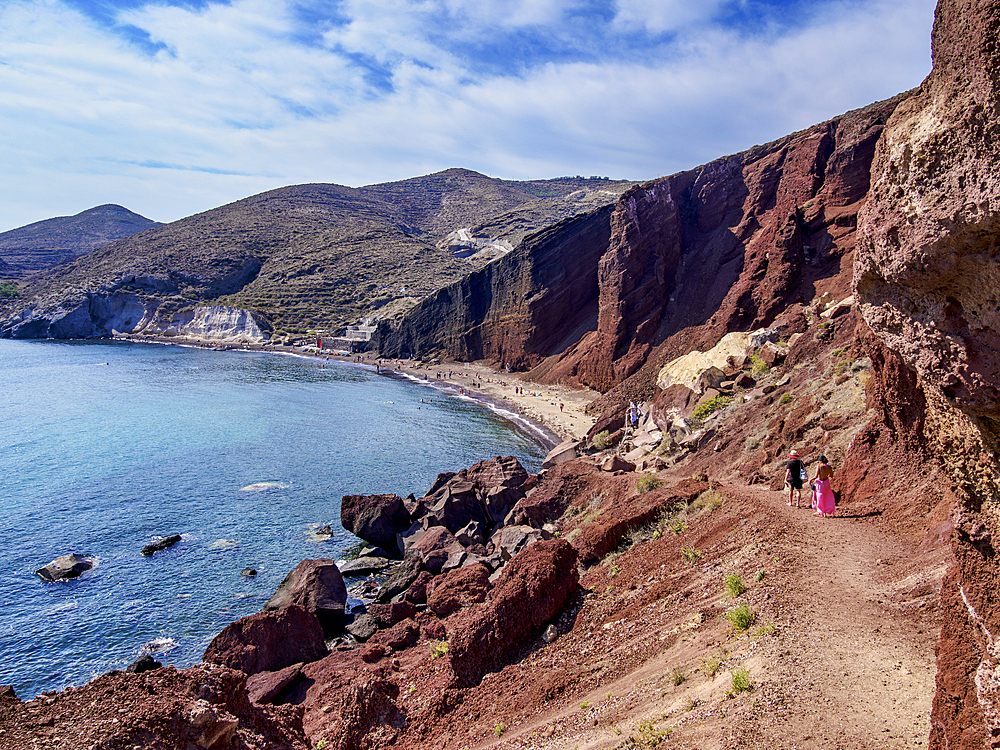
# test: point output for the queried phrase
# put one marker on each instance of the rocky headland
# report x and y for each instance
(832, 292)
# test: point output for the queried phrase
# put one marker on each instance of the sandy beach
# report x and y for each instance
(557, 408)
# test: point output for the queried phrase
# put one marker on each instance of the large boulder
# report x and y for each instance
(533, 588)
(268, 641)
(375, 518)
(460, 588)
(431, 547)
(315, 585)
(66, 566)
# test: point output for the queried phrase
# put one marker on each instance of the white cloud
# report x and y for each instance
(246, 96)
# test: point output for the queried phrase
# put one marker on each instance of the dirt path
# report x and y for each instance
(849, 662)
(858, 619)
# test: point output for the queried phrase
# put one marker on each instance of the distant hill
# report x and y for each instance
(44, 244)
(317, 257)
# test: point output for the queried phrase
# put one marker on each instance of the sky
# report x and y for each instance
(172, 108)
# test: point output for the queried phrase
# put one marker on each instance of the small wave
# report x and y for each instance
(221, 544)
(64, 607)
(264, 486)
(159, 645)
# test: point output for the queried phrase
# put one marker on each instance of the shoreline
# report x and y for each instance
(529, 406)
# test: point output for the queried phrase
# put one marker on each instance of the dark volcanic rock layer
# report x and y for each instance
(927, 278)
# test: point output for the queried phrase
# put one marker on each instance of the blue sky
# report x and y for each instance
(174, 108)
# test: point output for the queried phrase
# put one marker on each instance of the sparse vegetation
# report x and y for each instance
(765, 628)
(646, 483)
(761, 575)
(499, 729)
(710, 665)
(690, 555)
(707, 408)
(740, 681)
(786, 398)
(679, 678)
(678, 526)
(709, 500)
(757, 365)
(9, 290)
(646, 735)
(438, 649)
(734, 585)
(742, 617)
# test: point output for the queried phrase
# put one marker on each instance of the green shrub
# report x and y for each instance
(499, 729)
(647, 482)
(786, 398)
(9, 291)
(741, 617)
(710, 665)
(704, 409)
(734, 585)
(741, 681)
(601, 441)
(679, 678)
(690, 554)
(757, 365)
(709, 500)
(439, 648)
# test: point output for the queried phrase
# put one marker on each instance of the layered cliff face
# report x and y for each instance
(679, 262)
(927, 278)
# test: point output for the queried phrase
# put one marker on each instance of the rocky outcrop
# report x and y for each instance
(268, 641)
(315, 585)
(532, 590)
(517, 310)
(375, 518)
(105, 313)
(926, 279)
(66, 566)
(205, 706)
(160, 544)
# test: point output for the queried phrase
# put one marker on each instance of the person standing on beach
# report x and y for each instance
(793, 477)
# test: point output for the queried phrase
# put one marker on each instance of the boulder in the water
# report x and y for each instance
(248, 572)
(143, 664)
(161, 544)
(66, 566)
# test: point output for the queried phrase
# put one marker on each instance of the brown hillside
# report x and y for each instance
(306, 257)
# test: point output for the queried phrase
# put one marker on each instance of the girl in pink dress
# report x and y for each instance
(825, 503)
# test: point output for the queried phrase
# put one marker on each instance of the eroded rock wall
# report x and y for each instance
(674, 265)
(927, 278)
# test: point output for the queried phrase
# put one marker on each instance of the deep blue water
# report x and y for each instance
(104, 447)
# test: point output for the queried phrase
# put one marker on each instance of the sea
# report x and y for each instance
(107, 446)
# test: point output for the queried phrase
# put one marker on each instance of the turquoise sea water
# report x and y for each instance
(104, 447)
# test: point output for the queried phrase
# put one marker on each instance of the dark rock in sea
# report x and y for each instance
(143, 664)
(268, 641)
(375, 518)
(248, 572)
(66, 566)
(460, 588)
(167, 541)
(532, 589)
(315, 585)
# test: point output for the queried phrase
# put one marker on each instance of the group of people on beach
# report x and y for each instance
(796, 476)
